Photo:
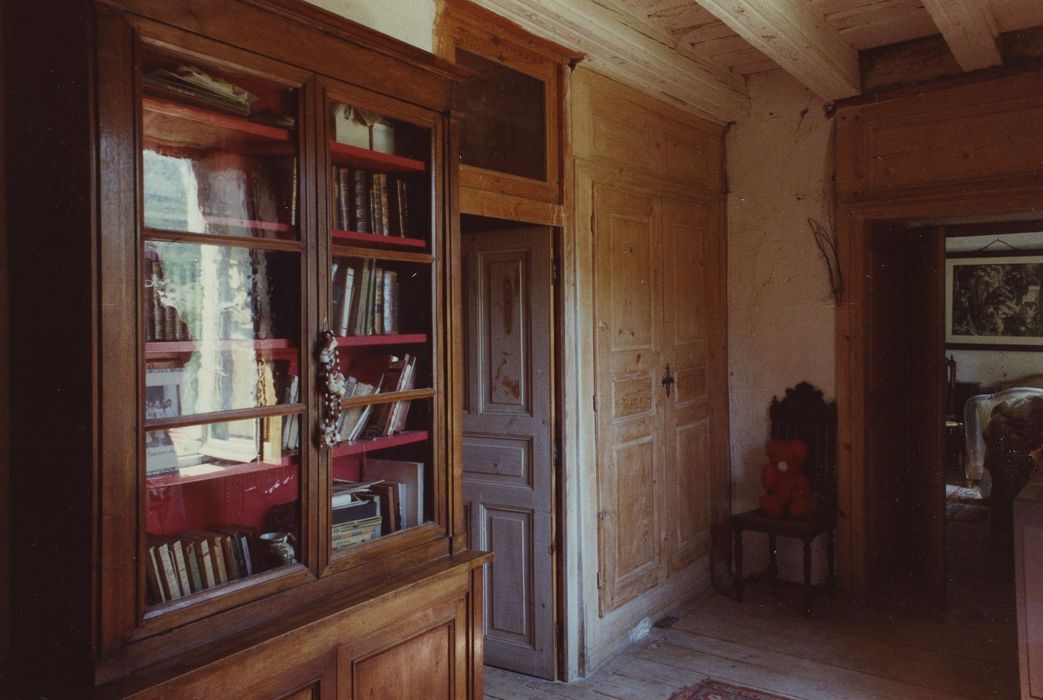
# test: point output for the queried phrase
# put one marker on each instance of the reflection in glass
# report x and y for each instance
(225, 319)
(212, 492)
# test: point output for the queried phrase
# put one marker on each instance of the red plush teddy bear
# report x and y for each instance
(788, 489)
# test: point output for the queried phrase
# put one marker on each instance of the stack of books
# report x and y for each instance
(356, 513)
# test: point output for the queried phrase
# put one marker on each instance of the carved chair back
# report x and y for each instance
(804, 415)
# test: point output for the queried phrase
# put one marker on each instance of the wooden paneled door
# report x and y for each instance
(653, 282)
(508, 439)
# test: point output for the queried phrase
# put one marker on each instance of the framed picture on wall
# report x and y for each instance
(994, 302)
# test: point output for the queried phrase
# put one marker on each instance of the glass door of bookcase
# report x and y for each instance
(382, 327)
(222, 261)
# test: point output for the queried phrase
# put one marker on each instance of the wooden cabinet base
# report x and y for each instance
(420, 637)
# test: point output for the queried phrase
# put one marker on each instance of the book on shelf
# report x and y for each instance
(390, 517)
(360, 200)
(366, 505)
(345, 491)
(390, 307)
(165, 559)
(345, 278)
(239, 539)
(402, 210)
(200, 546)
(354, 419)
(217, 554)
(370, 202)
(366, 300)
(291, 432)
(395, 377)
(180, 566)
(400, 411)
(196, 560)
(202, 88)
(195, 576)
(155, 585)
(355, 532)
(410, 476)
(342, 197)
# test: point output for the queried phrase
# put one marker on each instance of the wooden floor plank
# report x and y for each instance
(898, 646)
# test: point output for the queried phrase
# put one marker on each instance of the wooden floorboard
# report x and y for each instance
(899, 646)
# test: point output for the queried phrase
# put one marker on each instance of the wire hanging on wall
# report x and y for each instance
(826, 240)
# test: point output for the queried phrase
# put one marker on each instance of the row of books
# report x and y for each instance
(370, 202)
(365, 298)
(379, 420)
(195, 561)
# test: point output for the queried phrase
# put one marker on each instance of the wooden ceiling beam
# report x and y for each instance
(793, 35)
(969, 29)
(628, 49)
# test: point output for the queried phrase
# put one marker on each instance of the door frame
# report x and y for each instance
(854, 224)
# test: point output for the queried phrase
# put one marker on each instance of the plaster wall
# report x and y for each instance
(780, 314)
(411, 21)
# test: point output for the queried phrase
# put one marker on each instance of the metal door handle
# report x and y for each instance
(668, 380)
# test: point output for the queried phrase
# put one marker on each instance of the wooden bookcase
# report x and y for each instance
(257, 433)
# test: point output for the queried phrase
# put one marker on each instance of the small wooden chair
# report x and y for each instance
(802, 415)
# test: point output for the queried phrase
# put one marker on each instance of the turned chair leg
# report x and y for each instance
(739, 583)
(809, 591)
(773, 558)
(831, 561)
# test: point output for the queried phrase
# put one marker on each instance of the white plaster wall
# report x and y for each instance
(411, 21)
(780, 315)
(987, 368)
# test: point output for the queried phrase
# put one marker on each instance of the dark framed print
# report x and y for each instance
(994, 302)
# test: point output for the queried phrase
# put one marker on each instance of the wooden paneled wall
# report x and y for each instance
(646, 300)
(956, 149)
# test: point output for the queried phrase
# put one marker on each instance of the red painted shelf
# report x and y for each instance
(395, 339)
(378, 239)
(357, 447)
(205, 472)
(180, 346)
(180, 125)
(343, 154)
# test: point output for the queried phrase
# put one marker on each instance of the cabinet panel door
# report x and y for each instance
(406, 660)
(628, 356)
(689, 276)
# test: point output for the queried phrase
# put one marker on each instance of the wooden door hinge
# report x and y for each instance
(555, 271)
(593, 224)
(599, 581)
(594, 398)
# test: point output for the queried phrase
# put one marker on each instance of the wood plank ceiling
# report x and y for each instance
(697, 53)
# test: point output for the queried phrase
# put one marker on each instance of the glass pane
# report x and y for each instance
(222, 324)
(222, 503)
(379, 179)
(382, 482)
(505, 121)
(219, 151)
